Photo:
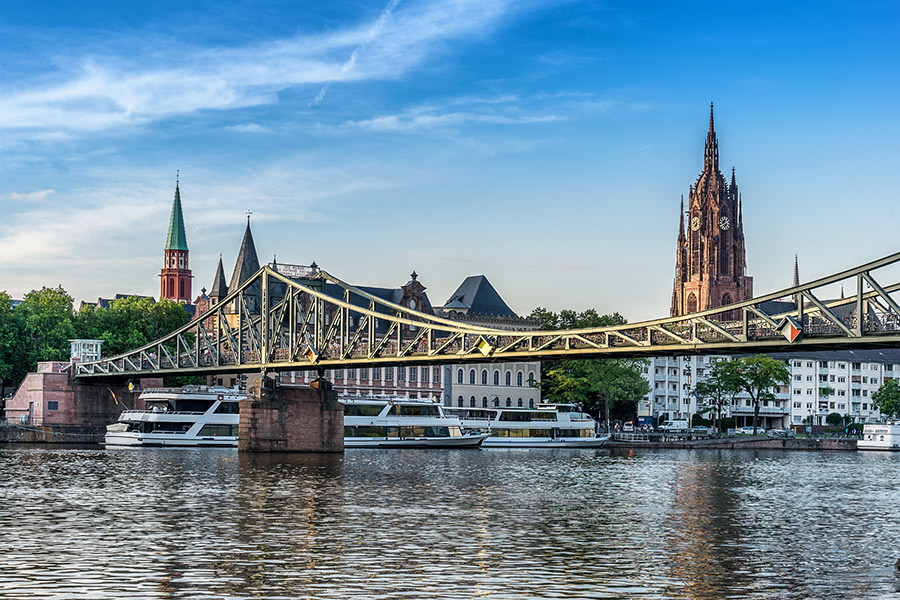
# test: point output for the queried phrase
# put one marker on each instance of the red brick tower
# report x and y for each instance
(710, 259)
(175, 276)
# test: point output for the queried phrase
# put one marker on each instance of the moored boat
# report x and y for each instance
(547, 426)
(186, 416)
(880, 437)
(372, 422)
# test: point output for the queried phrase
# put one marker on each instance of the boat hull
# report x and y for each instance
(498, 442)
(466, 441)
(125, 440)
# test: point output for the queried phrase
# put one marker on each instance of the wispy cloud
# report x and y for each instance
(31, 196)
(101, 92)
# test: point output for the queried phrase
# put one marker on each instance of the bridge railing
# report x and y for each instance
(274, 322)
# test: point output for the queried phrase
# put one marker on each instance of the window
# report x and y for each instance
(351, 373)
(798, 378)
(483, 377)
(823, 364)
(496, 401)
(364, 373)
(519, 403)
(389, 373)
(424, 374)
(509, 402)
(376, 372)
(472, 377)
(484, 402)
(436, 375)
(531, 378)
(496, 377)
(472, 401)
(519, 379)
(459, 401)
(508, 378)
(856, 365)
(459, 376)
(52, 405)
(401, 373)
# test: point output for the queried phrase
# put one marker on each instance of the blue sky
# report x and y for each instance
(544, 144)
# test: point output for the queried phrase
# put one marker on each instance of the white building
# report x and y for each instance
(821, 383)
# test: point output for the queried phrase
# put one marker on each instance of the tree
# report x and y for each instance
(887, 399)
(45, 324)
(718, 389)
(834, 419)
(757, 375)
(131, 322)
(9, 338)
(591, 384)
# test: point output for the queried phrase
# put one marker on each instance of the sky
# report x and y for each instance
(543, 143)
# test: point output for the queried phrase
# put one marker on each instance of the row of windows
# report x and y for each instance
(495, 402)
(401, 373)
(484, 377)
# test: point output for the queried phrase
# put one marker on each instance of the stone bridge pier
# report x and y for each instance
(291, 419)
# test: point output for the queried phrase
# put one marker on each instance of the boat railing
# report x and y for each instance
(161, 412)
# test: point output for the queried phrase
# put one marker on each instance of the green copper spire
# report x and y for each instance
(177, 240)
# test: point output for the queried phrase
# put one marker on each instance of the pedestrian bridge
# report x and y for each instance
(290, 318)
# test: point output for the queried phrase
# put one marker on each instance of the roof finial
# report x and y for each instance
(177, 176)
(414, 275)
(711, 124)
(249, 212)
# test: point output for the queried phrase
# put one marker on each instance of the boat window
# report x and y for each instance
(455, 432)
(171, 427)
(370, 431)
(575, 433)
(412, 431)
(228, 408)
(349, 431)
(415, 411)
(194, 405)
(214, 430)
(365, 410)
(437, 431)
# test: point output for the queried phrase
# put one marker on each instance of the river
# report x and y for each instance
(423, 524)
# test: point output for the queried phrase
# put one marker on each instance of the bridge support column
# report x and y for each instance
(291, 419)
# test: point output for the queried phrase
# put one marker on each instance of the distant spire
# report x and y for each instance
(711, 155)
(681, 224)
(177, 240)
(220, 286)
(247, 261)
(842, 291)
(796, 271)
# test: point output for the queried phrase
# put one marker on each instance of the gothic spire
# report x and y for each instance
(681, 224)
(796, 272)
(220, 286)
(177, 239)
(247, 261)
(711, 155)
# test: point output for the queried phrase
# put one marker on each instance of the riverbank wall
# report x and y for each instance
(757, 443)
(25, 434)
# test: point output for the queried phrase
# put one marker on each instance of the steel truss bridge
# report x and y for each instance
(274, 322)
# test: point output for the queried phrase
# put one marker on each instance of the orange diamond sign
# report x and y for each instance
(790, 329)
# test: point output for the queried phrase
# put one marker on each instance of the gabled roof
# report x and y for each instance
(479, 295)
(247, 261)
(177, 239)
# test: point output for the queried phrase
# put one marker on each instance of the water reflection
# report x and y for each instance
(86, 523)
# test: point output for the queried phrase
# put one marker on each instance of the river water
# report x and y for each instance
(421, 524)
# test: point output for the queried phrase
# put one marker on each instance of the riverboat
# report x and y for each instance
(547, 426)
(880, 437)
(372, 422)
(187, 416)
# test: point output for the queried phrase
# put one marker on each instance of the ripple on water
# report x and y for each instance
(447, 524)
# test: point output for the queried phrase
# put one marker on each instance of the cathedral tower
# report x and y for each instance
(710, 258)
(175, 276)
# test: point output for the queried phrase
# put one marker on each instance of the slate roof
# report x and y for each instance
(389, 294)
(177, 239)
(479, 295)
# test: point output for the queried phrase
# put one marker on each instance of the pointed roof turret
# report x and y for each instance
(247, 261)
(220, 286)
(177, 239)
(711, 155)
(681, 225)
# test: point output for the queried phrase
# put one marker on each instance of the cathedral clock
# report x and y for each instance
(695, 223)
(724, 223)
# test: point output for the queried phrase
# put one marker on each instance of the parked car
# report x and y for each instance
(749, 431)
(673, 426)
(700, 430)
(628, 427)
(781, 433)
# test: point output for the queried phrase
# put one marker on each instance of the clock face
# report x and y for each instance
(724, 223)
(695, 223)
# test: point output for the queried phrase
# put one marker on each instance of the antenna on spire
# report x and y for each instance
(249, 212)
(711, 125)
(177, 175)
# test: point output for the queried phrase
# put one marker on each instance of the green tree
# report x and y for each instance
(9, 340)
(591, 384)
(757, 375)
(45, 326)
(834, 419)
(717, 390)
(131, 322)
(887, 399)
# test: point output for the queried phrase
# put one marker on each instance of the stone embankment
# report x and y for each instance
(25, 434)
(744, 443)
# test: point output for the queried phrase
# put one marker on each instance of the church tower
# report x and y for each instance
(175, 276)
(710, 259)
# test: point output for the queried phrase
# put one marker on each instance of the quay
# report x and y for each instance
(632, 441)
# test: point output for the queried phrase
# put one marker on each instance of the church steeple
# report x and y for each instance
(711, 154)
(175, 276)
(220, 286)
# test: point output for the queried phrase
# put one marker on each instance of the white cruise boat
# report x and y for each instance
(880, 437)
(371, 422)
(188, 416)
(547, 426)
